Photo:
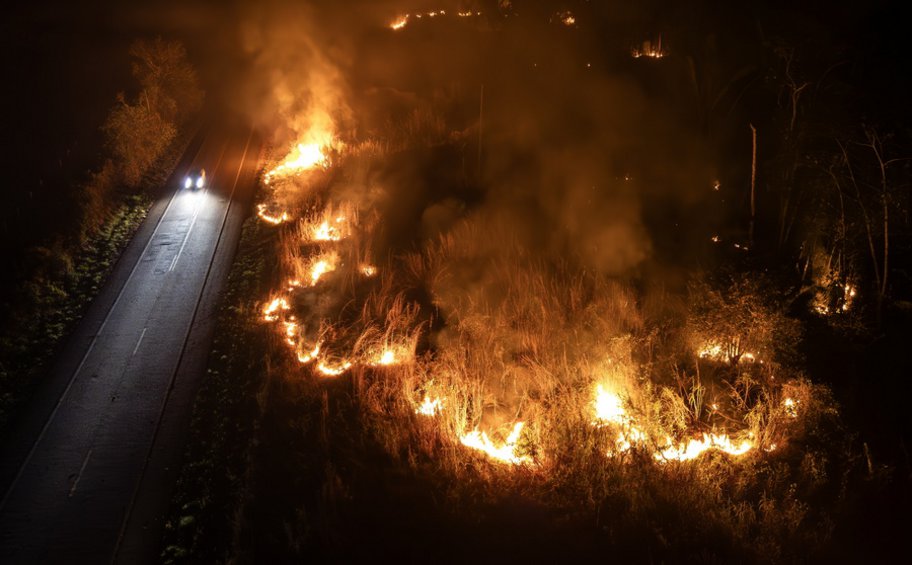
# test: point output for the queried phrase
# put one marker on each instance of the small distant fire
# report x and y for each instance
(730, 352)
(650, 49)
(402, 20)
(399, 22)
(567, 18)
(838, 301)
(791, 407)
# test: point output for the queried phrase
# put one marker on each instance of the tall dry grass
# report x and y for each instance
(492, 335)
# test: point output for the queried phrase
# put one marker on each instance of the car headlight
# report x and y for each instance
(199, 182)
(188, 182)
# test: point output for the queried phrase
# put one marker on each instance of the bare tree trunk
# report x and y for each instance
(876, 146)
(864, 215)
(750, 236)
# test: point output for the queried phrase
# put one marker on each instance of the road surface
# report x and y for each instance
(87, 470)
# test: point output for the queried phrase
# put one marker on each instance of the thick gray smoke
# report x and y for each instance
(578, 158)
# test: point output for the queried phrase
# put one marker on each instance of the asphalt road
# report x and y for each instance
(89, 468)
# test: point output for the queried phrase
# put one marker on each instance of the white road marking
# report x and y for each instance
(91, 347)
(187, 235)
(141, 336)
(81, 470)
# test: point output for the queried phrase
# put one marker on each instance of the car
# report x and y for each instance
(195, 179)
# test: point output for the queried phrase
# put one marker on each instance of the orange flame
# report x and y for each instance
(505, 453)
(273, 219)
(303, 157)
(271, 309)
(333, 370)
(696, 447)
(649, 49)
(399, 22)
(308, 356)
(429, 407)
(322, 265)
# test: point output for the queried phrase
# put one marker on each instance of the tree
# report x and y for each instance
(169, 83)
(741, 318)
(867, 171)
(137, 136)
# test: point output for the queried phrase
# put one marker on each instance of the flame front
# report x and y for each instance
(609, 409)
(399, 22)
(302, 158)
(696, 447)
(504, 453)
(333, 369)
(274, 219)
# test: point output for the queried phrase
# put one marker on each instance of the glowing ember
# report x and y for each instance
(716, 239)
(505, 453)
(791, 407)
(696, 447)
(273, 219)
(368, 270)
(429, 407)
(270, 312)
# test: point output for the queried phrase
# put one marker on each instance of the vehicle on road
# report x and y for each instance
(195, 179)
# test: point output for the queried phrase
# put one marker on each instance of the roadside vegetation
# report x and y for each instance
(226, 413)
(55, 280)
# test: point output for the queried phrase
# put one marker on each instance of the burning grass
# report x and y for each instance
(497, 371)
